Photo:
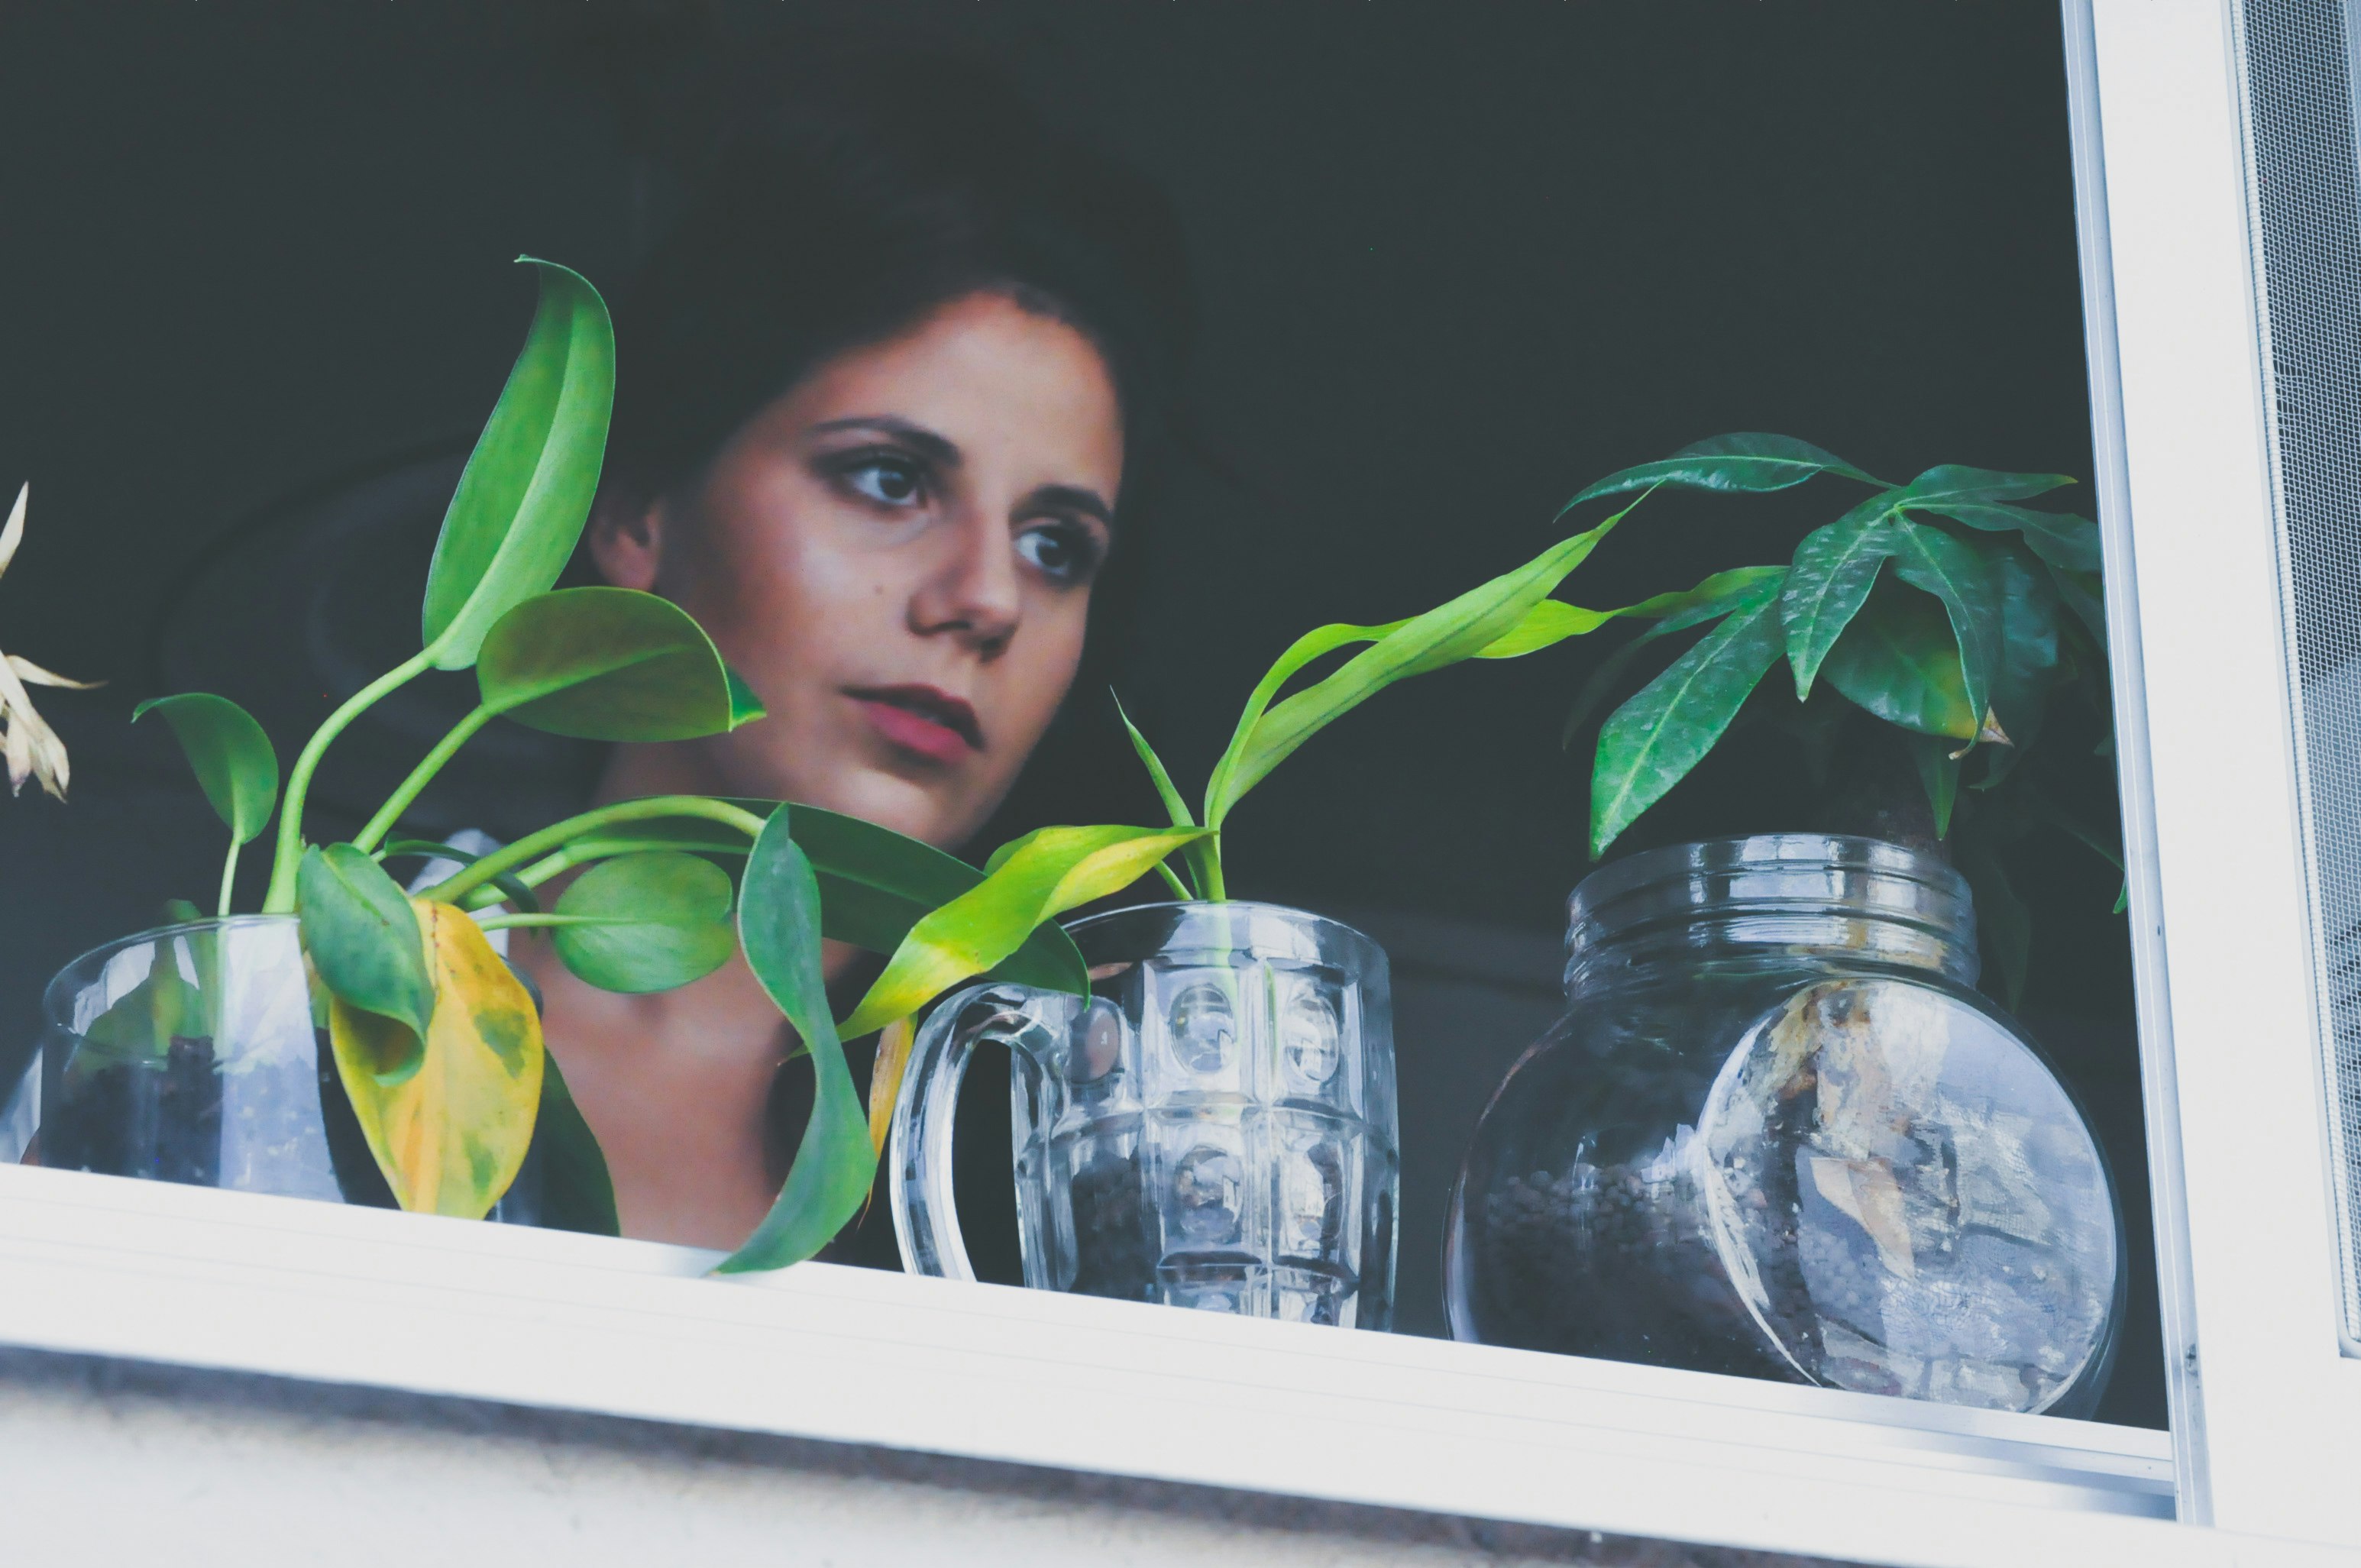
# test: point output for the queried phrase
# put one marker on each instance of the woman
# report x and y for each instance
(885, 403)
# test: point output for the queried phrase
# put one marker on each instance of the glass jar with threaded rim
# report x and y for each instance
(1777, 1132)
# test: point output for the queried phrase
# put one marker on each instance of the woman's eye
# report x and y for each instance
(887, 479)
(1063, 552)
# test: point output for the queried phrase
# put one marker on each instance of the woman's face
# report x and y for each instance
(897, 555)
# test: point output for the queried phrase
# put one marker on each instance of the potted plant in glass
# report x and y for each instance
(1777, 1131)
(354, 1041)
(1213, 1124)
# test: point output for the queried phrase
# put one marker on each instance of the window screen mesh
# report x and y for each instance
(2307, 186)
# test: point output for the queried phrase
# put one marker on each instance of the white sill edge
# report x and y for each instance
(857, 1355)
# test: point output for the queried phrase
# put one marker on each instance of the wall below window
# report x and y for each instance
(121, 1462)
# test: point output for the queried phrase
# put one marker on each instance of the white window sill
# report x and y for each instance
(146, 1270)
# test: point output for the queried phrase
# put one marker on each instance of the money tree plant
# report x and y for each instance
(1946, 611)
(437, 1043)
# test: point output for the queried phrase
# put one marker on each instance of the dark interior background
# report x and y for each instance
(1453, 263)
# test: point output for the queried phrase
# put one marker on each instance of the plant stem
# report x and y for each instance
(1179, 889)
(1209, 872)
(280, 900)
(230, 873)
(509, 922)
(533, 846)
(420, 777)
(581, 851)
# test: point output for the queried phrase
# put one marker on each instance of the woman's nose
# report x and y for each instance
(972, 591)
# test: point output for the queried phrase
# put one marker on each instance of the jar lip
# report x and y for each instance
(1831, 871)
(79, 969)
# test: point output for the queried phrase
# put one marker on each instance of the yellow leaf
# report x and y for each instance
(886, 1079)
(449, 1129)
(1038, 878)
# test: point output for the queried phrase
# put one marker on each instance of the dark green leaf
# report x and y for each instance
(232, 757)
(1953, 482)
(876, 883)
(362, 937)
(2080, 592)
(779, 922)
(577, 1191)
(1744, 461)
(2028, 656)
(2003, 921)
(2058, 538)
(1956, 573)
(1899, 660)
(1652, 742)
(1675, 612)
(1833, 571)
(526, 491)
(609, 665)
(1939, 774)
(645, 921)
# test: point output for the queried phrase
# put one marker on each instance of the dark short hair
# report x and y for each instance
(859, 202)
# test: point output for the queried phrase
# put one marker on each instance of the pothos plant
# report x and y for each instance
(1945, 610)
(437, 1044)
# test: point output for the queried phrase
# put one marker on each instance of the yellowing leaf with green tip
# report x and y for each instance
(448, 1125)
(1037, 877)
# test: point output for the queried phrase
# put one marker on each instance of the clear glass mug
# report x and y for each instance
(1214, 1127)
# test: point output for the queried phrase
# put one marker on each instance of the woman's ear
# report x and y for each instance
(626, 537)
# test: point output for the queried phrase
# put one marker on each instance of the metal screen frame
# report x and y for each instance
(2304, 211)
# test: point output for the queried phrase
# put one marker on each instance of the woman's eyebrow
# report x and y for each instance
(938, 448)
(1072, 498)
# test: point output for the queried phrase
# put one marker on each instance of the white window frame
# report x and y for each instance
(178, 1275)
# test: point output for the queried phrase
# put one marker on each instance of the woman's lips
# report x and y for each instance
(924, 719)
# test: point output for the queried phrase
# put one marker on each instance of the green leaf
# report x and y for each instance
(362, 937)
(1746, 462)
(2059, 538)
(1939, 774)
(526, 491)
(1950, 483)
(645, 921)
(1834, 569)
(875, 886)
(1165, 791)
(1899, 660)
(1048, 872)
(1461, 628)
(2081, 592)
(1650, 742)
(2003, 921)
(744, 706)
(577, 1193)
(779, 922)
(1956, 573)
(231, 755)
(609, 665)
(2028, 656)
(1675, 612)
(514, 891)
(1174, 806)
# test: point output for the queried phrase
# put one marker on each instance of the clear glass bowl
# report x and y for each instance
(1777, 1134)
(196, 1054)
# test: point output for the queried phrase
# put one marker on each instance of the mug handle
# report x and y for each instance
(926, 1220)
